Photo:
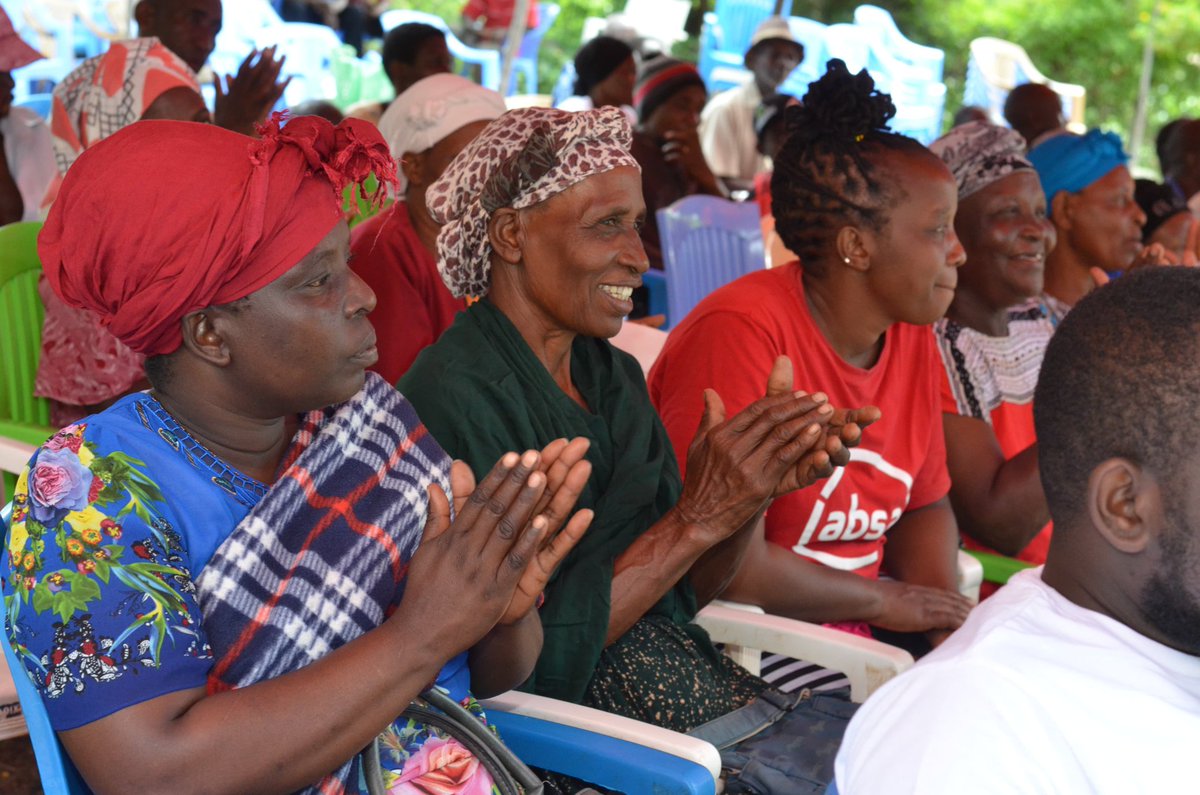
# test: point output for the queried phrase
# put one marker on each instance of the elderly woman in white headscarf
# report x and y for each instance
(541, 215)
(992, 341)
(395, 252)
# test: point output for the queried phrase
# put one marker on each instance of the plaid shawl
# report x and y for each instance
(322, 558)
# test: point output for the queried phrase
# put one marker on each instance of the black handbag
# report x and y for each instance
(434, 708)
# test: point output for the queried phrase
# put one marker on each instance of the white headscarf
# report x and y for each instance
(432, 109)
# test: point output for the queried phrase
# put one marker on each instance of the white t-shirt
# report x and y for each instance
(727, 133)
(1033, 694)
(30, 157)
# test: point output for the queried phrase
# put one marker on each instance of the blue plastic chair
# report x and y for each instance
(487, 60)
(526, 62)
(928, 61)
(811, 34)
(58, 774)
(599, 759)
(725, 37)
(707, 242)
(38, 103)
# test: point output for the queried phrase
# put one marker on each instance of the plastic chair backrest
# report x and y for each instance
(38, 103)
(811, 34)
(20, 330)
(310, 50)
(930, 61)
(850, 43)
(707, 242)
(487, 60)
(58, 774)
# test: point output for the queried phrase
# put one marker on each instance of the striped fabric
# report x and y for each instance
(984, 371)
(322, 558)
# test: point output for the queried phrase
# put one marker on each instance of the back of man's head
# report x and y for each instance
(1117, 414)
(1121, 378)
(1179, 153)
(1033, 109)
(403, 42)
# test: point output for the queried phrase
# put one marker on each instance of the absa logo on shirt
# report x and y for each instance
(876, 494)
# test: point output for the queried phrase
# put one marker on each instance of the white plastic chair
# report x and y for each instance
(997, 66)
(868, 663)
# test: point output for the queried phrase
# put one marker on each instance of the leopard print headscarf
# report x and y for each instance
(522, 158)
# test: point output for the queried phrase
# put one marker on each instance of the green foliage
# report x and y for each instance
(1097, 44)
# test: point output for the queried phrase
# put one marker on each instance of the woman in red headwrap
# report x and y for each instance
(237, 554)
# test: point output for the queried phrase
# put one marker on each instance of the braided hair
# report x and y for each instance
(830, 173)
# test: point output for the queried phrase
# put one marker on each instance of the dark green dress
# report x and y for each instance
(481, 392)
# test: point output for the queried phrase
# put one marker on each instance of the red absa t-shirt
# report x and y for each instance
(729, 343)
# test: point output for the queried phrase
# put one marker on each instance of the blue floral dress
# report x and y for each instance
(111, 519)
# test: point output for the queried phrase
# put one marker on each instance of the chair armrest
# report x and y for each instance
(696, 752)
(998, 568)
(14, 454)
(600, 759)
(867, 663)
(970, 576)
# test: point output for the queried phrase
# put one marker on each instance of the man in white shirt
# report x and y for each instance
(26, 154)
(727, 124)
(1082, 676)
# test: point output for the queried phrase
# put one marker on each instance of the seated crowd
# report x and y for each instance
(314, 468)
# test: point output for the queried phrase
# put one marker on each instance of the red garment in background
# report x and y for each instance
(413, 305)
(499, 13)
(730, 341)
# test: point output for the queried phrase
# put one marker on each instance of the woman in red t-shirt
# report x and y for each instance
(992, 341)
(870, 215)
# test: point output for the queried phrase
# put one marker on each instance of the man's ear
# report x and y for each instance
(506, 234)
(202, 337)
(853, 249)
(1124, 503)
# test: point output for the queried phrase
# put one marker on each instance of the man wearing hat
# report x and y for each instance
(727, 124)
(26, 154)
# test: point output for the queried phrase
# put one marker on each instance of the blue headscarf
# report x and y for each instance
(1072, 162)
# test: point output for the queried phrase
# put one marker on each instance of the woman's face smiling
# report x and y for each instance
(1007, 236)
(304, 341)
(914, 258)
(581, 255)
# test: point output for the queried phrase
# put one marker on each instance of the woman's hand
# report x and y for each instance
(916, 608)
(734, 466)
(566, 472)
(683, 149)
(467, 571)
(566, 476)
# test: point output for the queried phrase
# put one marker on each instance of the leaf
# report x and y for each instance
(41, 597)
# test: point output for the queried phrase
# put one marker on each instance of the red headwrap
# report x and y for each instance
(165, 218)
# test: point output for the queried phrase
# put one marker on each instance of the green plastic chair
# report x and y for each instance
(23, 417)
(998, 568)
